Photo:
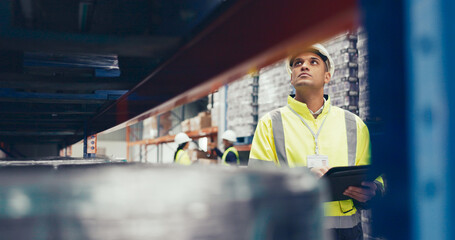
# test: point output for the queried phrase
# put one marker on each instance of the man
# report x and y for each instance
(230, 155)
(310, 132)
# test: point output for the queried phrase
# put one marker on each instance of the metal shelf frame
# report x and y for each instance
(170, 138)
(411, 90)
(211, 132)
(256, 47)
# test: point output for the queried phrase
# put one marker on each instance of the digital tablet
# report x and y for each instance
(340, 178)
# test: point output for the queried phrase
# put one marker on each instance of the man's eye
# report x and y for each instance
(314, 62)
(298, 63)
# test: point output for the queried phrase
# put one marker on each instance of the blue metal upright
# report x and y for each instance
(384, 22)
(429, 29)
(448, 34)
(413, 102)
(85, 140)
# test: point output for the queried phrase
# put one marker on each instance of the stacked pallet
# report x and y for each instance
(347, 89)
(214, 106)
(240, 107)
(274, 87)
(364, 91)
(343, 87)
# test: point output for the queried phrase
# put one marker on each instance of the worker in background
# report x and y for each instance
(310, 132)
(181, 156)
(230, 155)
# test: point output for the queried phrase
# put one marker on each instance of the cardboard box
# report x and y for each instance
(201, 154)
(165, 123)
(205, 120)
(207, 161)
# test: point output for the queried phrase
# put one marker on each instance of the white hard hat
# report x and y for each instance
(230, 136)
(319, 49)
(181, 138)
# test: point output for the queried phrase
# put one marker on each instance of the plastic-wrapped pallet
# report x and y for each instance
(343, 87)
(364, 104)
(150, 128)
(214, 107)
(274, 87)
(240, 111)
(141, 201)
(137, 133)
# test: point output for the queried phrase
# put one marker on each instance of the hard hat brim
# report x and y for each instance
(317, 49)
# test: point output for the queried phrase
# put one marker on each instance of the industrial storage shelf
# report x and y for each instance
(242, 148)
(170, 138)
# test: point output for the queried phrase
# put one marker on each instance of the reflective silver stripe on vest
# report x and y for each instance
(256, 163)
(342, 221)
(351, 133)
(278, 137)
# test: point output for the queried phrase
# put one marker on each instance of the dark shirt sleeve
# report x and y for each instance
(218, 152)
(231, 158)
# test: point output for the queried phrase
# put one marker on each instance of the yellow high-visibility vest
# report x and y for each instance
(182, 158)
(282, 139)
(231, 149)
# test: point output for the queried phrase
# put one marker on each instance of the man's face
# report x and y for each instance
(226, 143)
(309, 71)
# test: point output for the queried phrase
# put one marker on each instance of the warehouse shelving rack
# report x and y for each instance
(211, 133)
(410, 94)
(170, 138)
(411, 89)
(410, 72)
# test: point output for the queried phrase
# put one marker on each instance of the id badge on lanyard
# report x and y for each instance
(315, 160)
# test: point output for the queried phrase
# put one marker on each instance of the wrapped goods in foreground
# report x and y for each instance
(136, 201)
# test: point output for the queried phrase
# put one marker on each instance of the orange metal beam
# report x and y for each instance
(243, 147)
(249, 35)
(170, 138)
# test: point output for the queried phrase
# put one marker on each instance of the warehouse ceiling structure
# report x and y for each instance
(74, 68)
(62, 62)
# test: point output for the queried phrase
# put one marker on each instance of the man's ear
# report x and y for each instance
(327, 77)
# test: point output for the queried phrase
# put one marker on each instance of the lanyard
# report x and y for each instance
(306, 124)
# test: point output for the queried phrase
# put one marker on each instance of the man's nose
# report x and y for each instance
(304, 65)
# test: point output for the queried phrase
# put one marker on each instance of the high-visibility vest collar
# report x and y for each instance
(302, 109)
(230, 149)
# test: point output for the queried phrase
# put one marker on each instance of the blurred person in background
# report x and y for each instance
(230, 157)
(181, 155)
(311, 132)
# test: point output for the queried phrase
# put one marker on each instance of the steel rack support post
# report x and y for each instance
(183, 112)
(92, 146)
(128, 132)
(430, 82)
(384, 23)
(85, 140)
(158, 135)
